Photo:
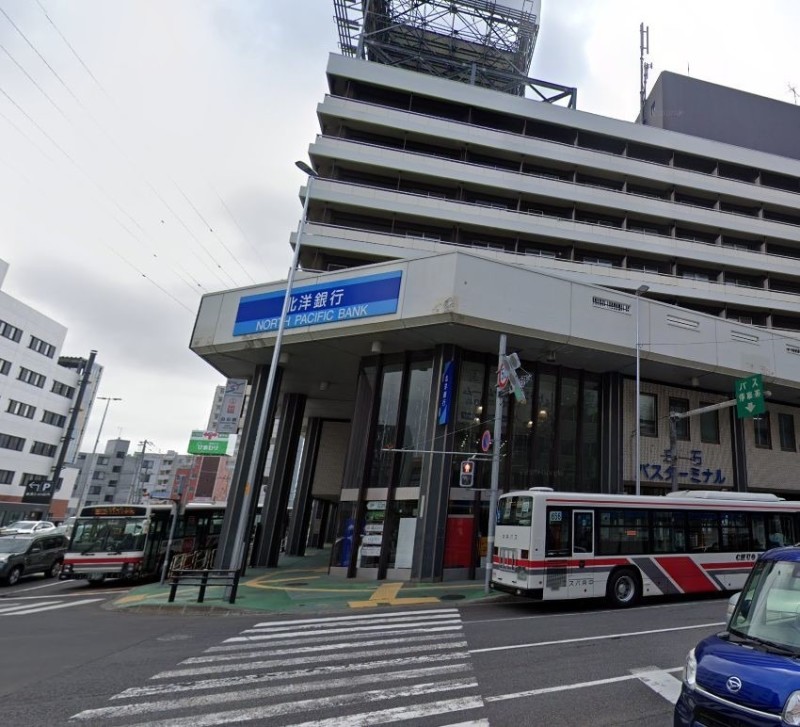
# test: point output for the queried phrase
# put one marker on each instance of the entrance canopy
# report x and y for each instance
(468, 300)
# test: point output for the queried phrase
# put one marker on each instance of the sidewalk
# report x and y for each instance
(301, 584)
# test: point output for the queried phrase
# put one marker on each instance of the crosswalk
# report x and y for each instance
(37, 604)
(378, 668)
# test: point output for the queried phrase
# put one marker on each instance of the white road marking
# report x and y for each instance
(366, 617)
(249, 681)
(12, 606)
(660, 681)
(28, 608)
(450, 626)
(254, 665)
(337, 700)
(568, 687)
(396, 714)
(320, 665)
(601, 637)
(320, 648)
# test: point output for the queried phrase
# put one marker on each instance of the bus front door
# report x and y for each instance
(580, 576)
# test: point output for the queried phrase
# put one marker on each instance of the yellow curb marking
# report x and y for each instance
(132, 599)
(386, 595)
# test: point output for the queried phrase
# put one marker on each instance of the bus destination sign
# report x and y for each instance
(114, 511)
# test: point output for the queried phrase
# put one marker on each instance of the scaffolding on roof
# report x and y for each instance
(478, 42)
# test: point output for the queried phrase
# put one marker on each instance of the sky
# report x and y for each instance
(147, 153)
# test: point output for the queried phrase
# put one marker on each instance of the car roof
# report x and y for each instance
(789, 552)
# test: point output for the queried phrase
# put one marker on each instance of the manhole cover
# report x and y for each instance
(451, 597)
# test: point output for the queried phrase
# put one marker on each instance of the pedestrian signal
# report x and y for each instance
(467, 473)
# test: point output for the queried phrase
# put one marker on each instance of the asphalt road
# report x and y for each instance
(508, 664)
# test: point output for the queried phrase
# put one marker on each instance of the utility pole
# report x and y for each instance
(135, 495)
(495, 481)
(90, 463)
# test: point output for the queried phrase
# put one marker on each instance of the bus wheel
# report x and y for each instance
(623, 588)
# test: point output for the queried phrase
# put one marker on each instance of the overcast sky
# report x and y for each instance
(147, 154)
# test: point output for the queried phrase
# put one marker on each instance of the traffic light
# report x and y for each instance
(467, 473)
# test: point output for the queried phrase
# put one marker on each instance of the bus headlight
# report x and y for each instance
(791, 710)
(690, 672)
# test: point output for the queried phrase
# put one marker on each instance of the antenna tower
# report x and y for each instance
(644, 48)
(480, 42)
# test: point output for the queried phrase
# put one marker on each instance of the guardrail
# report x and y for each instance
(203, 579)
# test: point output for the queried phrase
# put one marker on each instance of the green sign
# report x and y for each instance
(749, 394)
(211, 443)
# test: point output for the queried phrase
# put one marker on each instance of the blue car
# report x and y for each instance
(749, 674)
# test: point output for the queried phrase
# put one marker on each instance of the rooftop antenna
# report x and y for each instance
(793, 91)
(644, 47)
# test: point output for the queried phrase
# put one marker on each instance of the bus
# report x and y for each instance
(552, 545)
(118, 541)
(130, 542)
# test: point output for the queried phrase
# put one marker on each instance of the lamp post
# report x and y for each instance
(85, 489)
(640, 291)
(253, 483)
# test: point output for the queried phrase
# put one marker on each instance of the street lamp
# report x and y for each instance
(253, 483)
(640, 291)
(91, 463)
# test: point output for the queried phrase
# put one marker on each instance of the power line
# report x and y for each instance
(163, 201)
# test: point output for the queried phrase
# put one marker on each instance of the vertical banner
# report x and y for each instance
(446, 394)
(231, 410)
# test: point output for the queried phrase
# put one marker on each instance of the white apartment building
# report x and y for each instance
(40, 427)
(445, 209)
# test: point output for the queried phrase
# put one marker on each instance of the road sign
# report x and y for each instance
(749, 395)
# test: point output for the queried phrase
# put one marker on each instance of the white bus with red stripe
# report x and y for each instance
(118, 541)
(559, 545)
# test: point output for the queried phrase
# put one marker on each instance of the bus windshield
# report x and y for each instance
(515, 510)
(108, 534)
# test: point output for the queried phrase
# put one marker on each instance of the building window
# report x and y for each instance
(42, 347)
(20, 409)
(763, 436)
(648, 421)
(680, 406)
(63, 389)
(7, 441)
(57, 420)
(5, 367)
(11, 332)
(44, 449)
(709, 426)
(786, 432)
(6, 477)
(31, 377)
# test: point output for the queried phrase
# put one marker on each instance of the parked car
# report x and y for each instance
(749, 674)
(23, 554)
(30, 527)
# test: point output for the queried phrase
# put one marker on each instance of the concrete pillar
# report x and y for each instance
(276, 499)
(247, 451)
(301, 508)
(429, 541)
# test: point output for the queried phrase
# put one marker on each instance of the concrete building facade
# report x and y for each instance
(444, 214)
(45, 401)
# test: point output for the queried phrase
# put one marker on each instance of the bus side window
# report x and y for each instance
(557, 540)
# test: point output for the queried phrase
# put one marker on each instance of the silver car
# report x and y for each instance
(28, 527)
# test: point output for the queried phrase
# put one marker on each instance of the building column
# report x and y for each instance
(434, 498)
(301, 508)
(613, 437)
(276, 499)
(247, 444)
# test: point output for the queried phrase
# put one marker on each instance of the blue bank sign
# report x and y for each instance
(343, 300)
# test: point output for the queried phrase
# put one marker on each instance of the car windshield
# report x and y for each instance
(117, 534)
(768, 609)
(13, 545)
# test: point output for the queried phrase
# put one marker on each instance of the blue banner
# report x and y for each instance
(342, 300)
(446, 393)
